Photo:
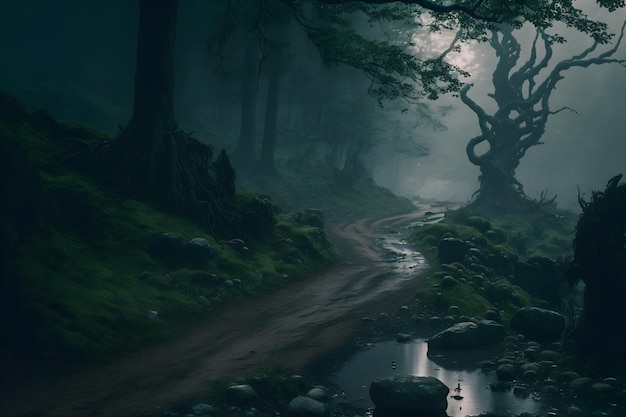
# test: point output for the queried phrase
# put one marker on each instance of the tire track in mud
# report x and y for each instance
(289, 327)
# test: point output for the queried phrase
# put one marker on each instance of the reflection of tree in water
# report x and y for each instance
(600, 262)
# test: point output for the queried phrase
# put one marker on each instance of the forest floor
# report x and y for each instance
(289, 327)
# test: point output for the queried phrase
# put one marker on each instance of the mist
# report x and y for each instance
(581, 150)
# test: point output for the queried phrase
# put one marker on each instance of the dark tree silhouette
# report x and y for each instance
(600, 262)
(152, 158)
(523, 110)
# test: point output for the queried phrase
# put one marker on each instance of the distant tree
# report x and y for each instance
(153, 159)
(522, 112)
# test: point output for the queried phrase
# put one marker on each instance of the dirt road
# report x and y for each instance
(289, 327)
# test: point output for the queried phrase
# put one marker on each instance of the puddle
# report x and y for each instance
(457, 370)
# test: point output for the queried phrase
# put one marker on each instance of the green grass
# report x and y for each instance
(86, 279)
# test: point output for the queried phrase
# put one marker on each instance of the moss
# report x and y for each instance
(86, 278)
(436, 299)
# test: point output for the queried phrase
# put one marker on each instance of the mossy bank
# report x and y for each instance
(87, 272)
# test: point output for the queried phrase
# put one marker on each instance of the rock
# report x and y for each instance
(241, 395)
(417, 395)
(467, 335)
(550, 356)
(451, 250)
(202, 409)
(601, 390)
(502, 292)
(568, 376)
(538, 323)
(152, 314)
(318, 394)
(448, 283)
(539, 277)
(505, 372)
(403, 338)
(306, 407)
(531, 366)
(198, 251)
(493, 315)
(574, 411)
(238, 244)
(204, 301)
(580, 385)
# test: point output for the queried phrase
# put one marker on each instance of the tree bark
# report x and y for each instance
(151, 159)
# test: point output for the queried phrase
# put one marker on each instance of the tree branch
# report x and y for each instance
(471, 11)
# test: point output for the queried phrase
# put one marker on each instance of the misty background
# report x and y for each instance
(76, 59)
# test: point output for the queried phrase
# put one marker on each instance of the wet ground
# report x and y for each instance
(470, 393)
(289, 327)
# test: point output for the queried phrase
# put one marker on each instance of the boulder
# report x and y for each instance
(241, 395)
(408, 394)
(198, 251)
(538, 324)
(318, 394)
(506, 372)
(467, 335)
(306, 407)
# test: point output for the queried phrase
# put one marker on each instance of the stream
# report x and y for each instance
(470, 392)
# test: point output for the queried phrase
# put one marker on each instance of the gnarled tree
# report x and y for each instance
(522, 112)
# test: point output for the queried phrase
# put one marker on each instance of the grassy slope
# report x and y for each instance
(86, 279)
(505, 240)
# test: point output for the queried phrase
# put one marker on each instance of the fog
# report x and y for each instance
(73, 55)
(580, 150)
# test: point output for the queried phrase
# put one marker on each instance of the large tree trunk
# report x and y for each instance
(151, 158)
(244, 158)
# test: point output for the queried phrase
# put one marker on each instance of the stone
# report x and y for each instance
(241, 395)
(306, 407)
(403, 338)
(601, 390)
(580, 385)
(505, 372)
(538, 324)
(152, 314)
(550, 356)
(418, 395)
(318, 394)
(198, 251)
(202, 409)
(467, 335)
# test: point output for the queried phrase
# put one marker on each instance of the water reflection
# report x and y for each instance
(460, 370)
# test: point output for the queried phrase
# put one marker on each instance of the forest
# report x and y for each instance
(312, 208)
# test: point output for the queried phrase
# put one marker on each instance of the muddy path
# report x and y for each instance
(288, 327)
